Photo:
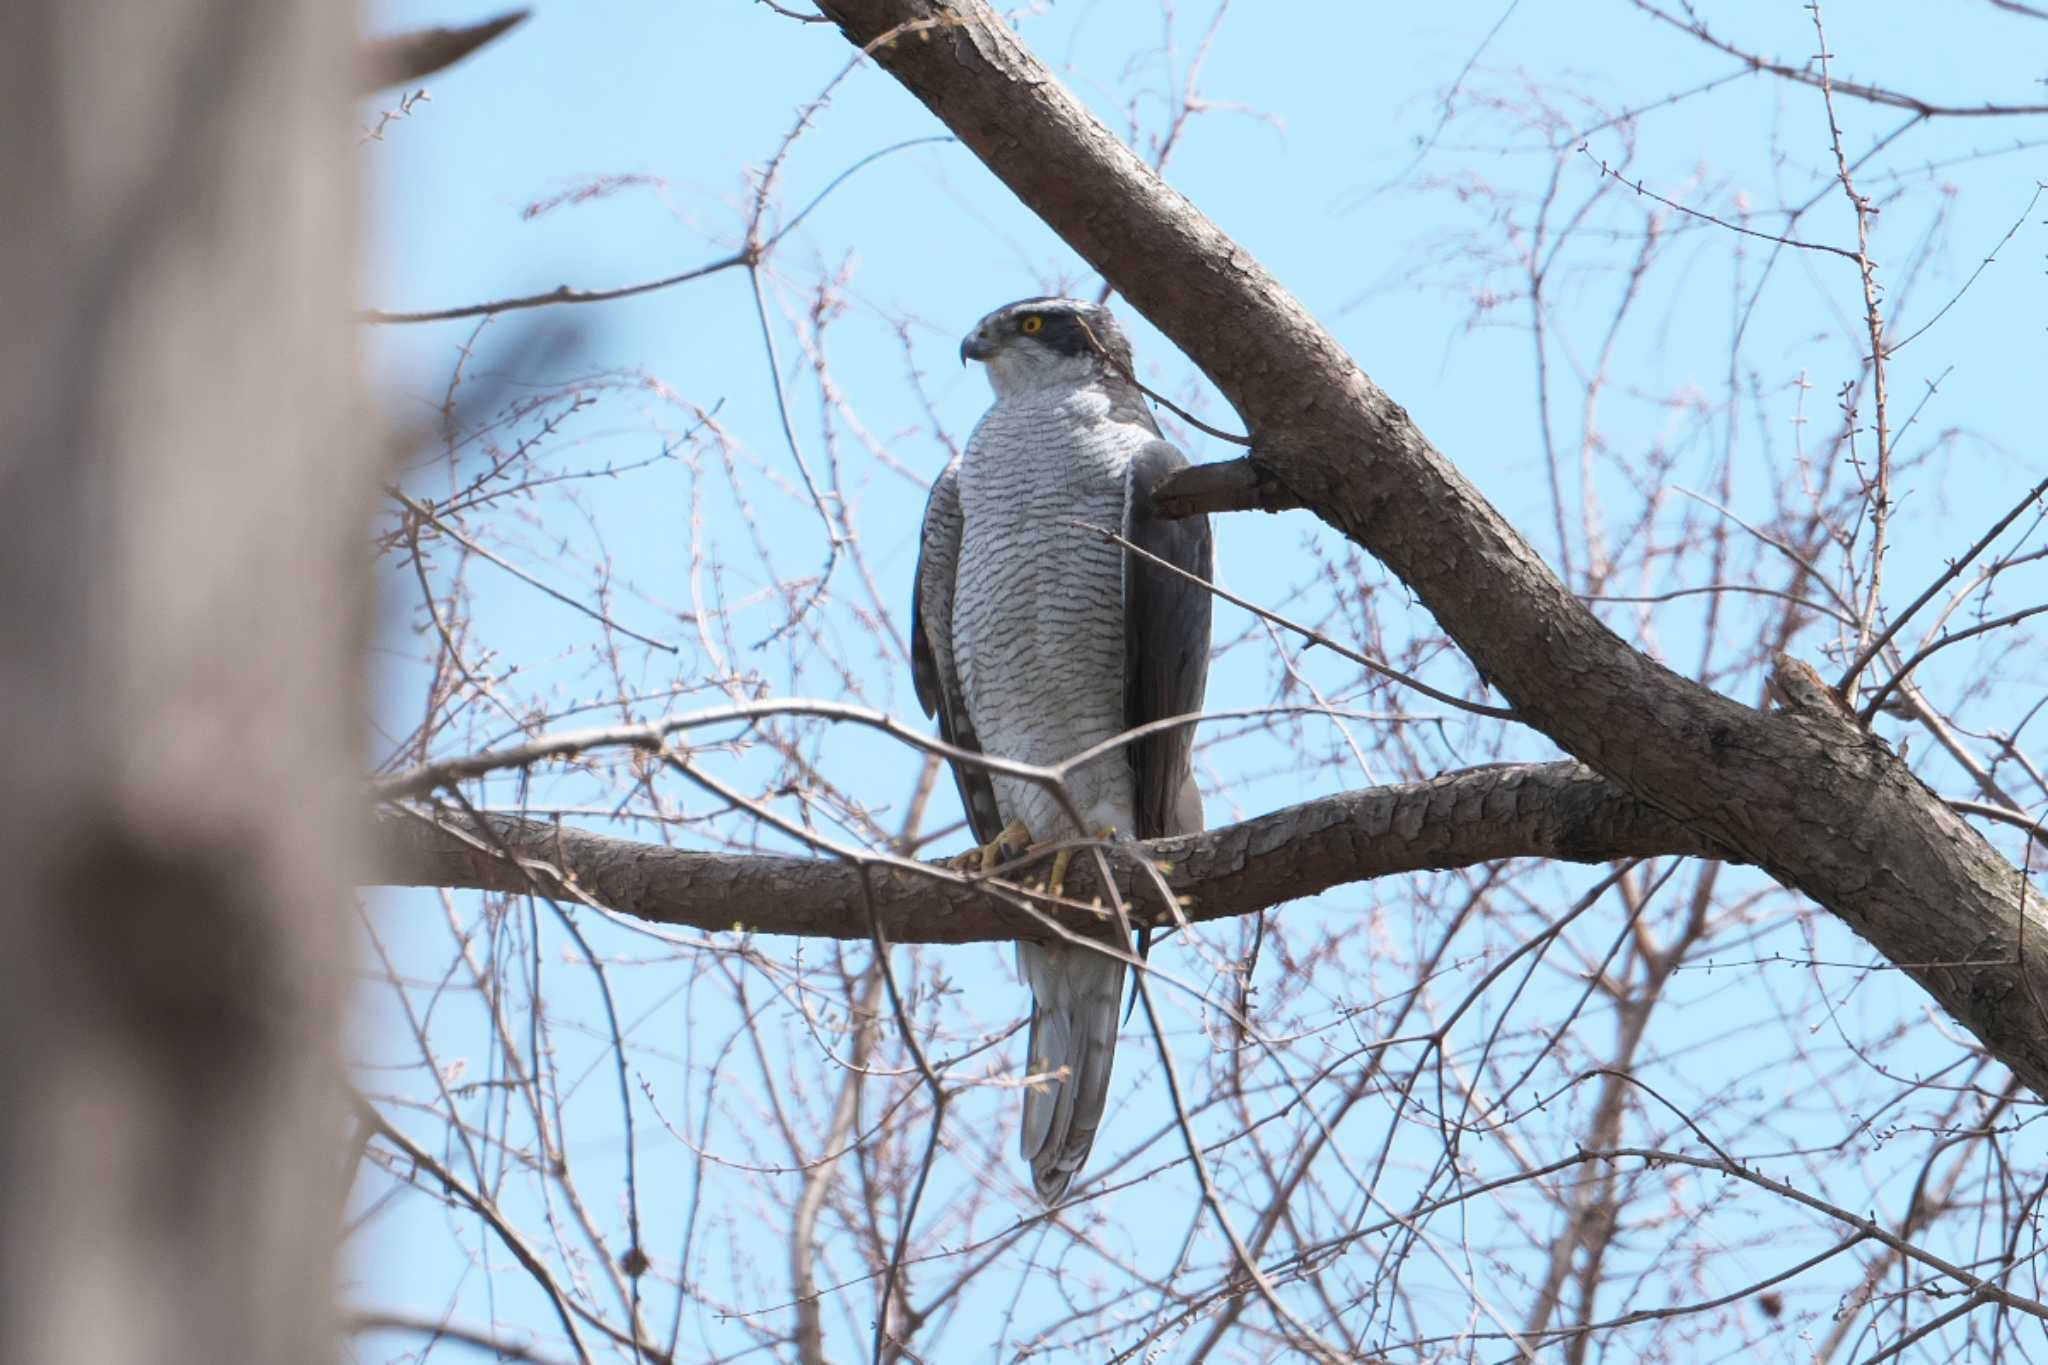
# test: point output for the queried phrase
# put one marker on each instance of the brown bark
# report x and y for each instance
(1822, 805)
(181, 504)
(1542, 810)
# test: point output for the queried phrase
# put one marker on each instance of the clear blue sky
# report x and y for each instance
(1327, 159)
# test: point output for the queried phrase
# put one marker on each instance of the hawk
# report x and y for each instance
(1033, 638)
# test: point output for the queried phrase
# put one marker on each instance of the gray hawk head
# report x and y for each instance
(1047, 343)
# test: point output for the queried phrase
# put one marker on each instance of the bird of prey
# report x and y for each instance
(1034, 638)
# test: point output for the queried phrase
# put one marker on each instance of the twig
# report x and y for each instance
(1987, 1290)
(834, 536)
(1954, 299)
(1947, 576)
(565, 294)
(499, 1348)
(1314, 637)
(1869, 93)
(1870, 707)
(420, 511)
(1116, 363)
(485, 1209)
(1990, 811)
(1709, 588)
(1879, 492)
(1640, 188)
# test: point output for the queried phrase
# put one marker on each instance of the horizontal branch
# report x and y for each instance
(1539, 810)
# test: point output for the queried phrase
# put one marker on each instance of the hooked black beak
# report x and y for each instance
(976, 347)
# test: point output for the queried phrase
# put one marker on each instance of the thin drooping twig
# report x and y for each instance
(650, 735)
(1246, 1262)
(1870, 93)
(1124, 371)
(565, 294)
(1640, 188)
(419, 510)
(1987, 1290)
(564, 1305)
(1942, 580)
(930, 1078)
(1714, 588)
(561, 293)
(1870, 708)
(1990, 259)
(1314, 637)
(442, 1329)
(835, 535)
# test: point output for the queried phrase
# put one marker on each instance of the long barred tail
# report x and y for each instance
(1075, 992)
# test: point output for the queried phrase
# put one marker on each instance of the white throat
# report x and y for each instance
(1016, 371)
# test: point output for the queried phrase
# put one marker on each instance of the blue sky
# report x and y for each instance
(1327, 155)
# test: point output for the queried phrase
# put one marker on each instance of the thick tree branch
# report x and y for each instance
(1541, 810)
(1818, 802)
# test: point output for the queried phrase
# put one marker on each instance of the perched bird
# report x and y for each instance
(1035, 638)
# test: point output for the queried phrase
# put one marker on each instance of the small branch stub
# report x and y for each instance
(1240, 485)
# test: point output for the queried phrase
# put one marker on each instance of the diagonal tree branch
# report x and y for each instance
(1543, 810)
(1808, 795)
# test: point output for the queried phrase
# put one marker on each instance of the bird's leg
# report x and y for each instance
(1013, 842)
(1065, 856)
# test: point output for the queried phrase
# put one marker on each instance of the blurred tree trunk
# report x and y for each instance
(181, 494)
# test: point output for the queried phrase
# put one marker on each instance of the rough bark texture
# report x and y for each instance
(180, 514)
(1821, 805)
(1542, 810)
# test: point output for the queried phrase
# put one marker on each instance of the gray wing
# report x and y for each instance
(931, 649)
(1166, 646)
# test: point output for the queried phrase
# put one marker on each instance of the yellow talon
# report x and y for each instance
(1014, 840)
(1058, 878)
(1061, 860)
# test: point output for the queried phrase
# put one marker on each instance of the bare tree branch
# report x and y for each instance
(1546, 810)
(1873, 94)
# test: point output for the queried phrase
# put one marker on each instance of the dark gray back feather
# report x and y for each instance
(932, 669)
(1166, 640)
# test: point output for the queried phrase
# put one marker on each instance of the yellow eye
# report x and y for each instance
(1032, 323)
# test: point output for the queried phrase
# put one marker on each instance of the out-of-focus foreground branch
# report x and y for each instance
(405, 57)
